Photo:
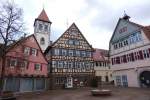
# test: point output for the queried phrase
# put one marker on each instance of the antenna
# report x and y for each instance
(43, 4)
(67, 23)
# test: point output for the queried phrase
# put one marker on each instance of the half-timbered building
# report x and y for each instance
(70, 60)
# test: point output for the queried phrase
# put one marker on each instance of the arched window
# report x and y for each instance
(42, 41)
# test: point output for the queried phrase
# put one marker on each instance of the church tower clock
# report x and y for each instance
(42, 30)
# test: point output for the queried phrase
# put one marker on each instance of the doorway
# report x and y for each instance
(69, 83)
(145, 78)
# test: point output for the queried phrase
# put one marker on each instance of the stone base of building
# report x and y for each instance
(25, 84)
(70, 81)
(133, 77)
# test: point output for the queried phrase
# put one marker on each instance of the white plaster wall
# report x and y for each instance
(103, 71)
(132, 77)
(135, 64)
(41, 33)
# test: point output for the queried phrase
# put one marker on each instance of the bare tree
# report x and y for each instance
(11, 28)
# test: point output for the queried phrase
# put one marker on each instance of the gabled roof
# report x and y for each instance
(100, 55)
(73, 24)
(21, 41)
(146, 30)
(43, 17)
(118, 24)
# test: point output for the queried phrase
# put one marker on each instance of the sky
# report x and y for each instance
(96, 19)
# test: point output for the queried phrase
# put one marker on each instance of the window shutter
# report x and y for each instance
(19, 62)
(37, 51)
(141, 54)
(112, 61)
(27, 66)
(118, 60)
(8, 62)
(132, 56)
(23, 49)
(125, 58)
(149, 50)
(41, 67)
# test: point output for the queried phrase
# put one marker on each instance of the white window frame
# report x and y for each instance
(70, 52)
(37, 68)
(56, 51)
(27, 50)
(13, 62)
(35, 52)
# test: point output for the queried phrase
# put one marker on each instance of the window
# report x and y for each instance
(70, 52)
(89, 54)
(124, 80)
(60, 64)
(70, 64)
(118, 80)
(76, 42)
(70, 42)
(60, 80)
(34, 51)
(96, 63)
(13, 62)
(83, 53)
(42, 41)
(116, 46)
(146, 53)
(65, 64)
(56, 51)
(23, 64)
(64, 52)
(37, 66)
(46, 28)
(100, 63)
(40, 27)
(138, 36)
(77, 53)
(54, 64)
(27, 51)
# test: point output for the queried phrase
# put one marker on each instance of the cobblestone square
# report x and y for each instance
(84, 94)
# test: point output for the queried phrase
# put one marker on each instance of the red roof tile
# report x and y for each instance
(146, 30)
(43, 16)
(100, 54)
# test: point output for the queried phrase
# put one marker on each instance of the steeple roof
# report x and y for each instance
(43, 17)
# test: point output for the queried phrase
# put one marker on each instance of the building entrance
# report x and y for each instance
(69, 83)
(145, 78)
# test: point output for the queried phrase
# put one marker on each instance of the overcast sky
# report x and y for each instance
(96, 19)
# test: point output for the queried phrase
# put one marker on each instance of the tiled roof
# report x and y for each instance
(100, 55)
(43, 16)
(146, 30)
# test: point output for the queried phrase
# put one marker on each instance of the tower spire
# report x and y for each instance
(125, 16)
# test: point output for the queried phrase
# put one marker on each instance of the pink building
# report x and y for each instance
(26, 67)
(130, 54)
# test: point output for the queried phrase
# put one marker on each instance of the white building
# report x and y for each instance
(42, 30)
(102, 66)
(130, 54)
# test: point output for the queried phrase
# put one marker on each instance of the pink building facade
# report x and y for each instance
(26, 67)
(130, 54)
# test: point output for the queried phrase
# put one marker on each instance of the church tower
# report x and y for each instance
(42, 30)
